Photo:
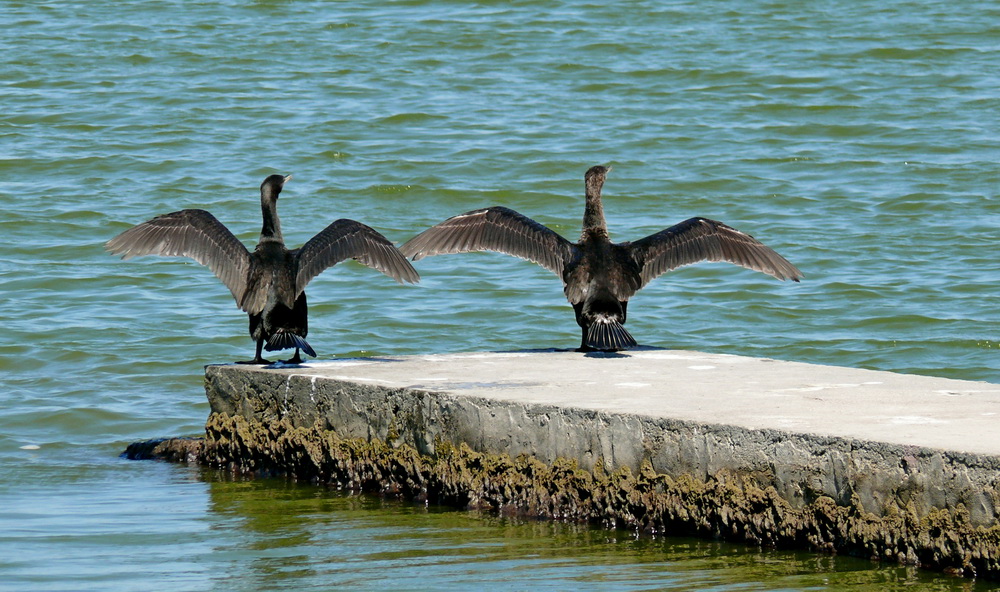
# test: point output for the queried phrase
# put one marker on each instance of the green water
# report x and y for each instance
(857, 138)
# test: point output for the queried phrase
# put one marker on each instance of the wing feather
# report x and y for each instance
(493, 229)
(349, 239)
(701, 239)
(189, 233)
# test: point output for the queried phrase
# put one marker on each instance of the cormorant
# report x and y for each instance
(268, 283)
(598, 276)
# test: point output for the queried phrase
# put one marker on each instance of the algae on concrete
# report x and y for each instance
(725, 505)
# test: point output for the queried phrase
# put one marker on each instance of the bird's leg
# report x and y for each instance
(294, 359)
(257, 359)
(583, 341)
(578, 309)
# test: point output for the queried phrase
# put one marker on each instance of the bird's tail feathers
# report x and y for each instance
(608, 334)
(285, 340)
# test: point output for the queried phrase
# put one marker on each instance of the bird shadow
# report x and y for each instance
(279, 365)
(586, 354)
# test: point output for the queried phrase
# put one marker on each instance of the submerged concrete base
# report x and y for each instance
(875, 464)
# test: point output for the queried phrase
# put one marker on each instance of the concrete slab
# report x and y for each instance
(876, 464)
(753, 393)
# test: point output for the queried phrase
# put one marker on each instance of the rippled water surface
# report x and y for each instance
(857, 138)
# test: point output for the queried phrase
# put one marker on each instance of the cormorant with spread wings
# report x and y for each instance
(599, 276)
(268, 283)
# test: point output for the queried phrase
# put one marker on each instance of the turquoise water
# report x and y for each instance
(857, 138)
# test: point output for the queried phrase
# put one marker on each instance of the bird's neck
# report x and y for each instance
(272, 226)
(593, 216)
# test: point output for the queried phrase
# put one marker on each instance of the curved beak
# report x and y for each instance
(286, 179)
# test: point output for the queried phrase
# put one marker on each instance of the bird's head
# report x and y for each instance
(595, 175)
(272, 185)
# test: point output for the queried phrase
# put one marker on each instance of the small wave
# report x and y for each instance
(401, 118)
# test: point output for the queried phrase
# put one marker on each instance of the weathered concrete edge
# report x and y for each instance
(801, 467)
(657, 475)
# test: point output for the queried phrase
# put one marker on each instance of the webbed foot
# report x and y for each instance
(258, 360)
(296, 359)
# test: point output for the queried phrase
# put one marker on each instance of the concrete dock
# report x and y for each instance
(894, 467)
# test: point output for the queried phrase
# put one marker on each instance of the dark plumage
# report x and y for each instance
(269, 283)
(598, 276)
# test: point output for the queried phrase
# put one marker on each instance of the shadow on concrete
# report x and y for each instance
(591, 354)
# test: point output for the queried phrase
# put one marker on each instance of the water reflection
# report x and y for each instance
(278, 534)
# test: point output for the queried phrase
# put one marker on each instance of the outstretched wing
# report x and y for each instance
(493, 229)
(348, 239)
(189, 233)
(701, 239)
